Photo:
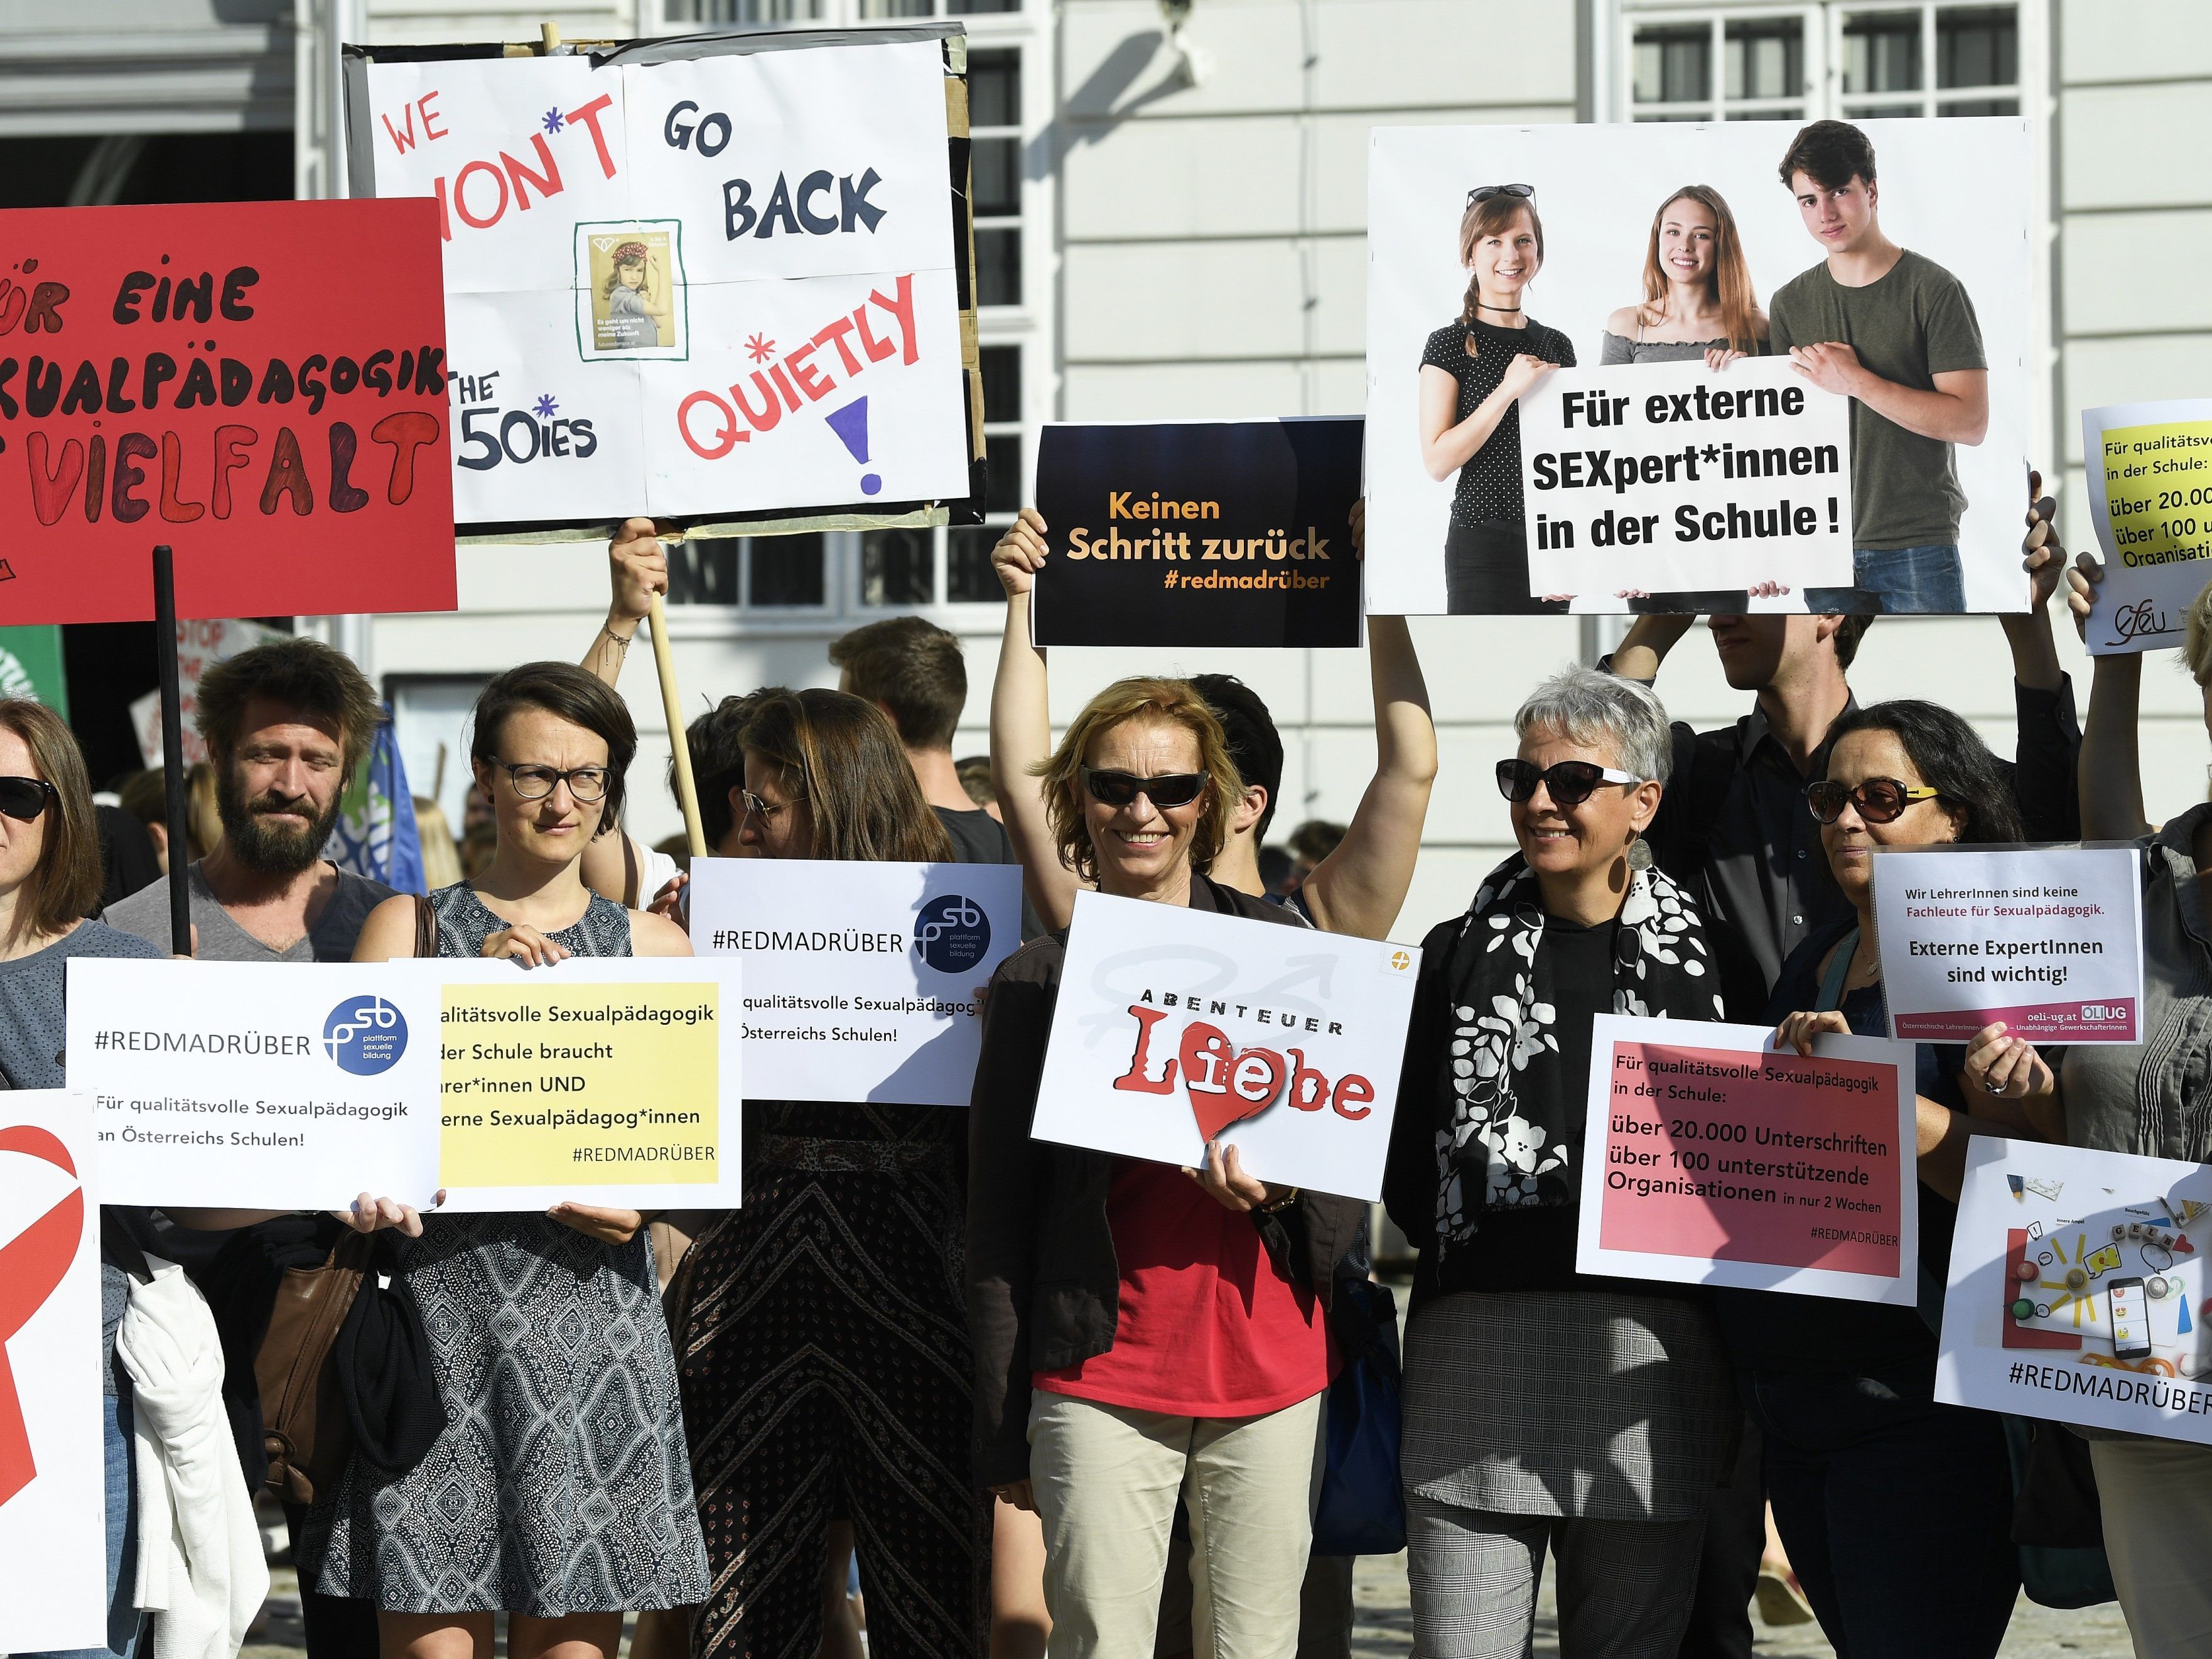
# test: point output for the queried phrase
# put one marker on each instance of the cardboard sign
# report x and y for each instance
(53, 1510)
(717, 285)
(2047, 940)
(1675, 476)
(1199, 532)
(1709, 1158)
(1603, 194)
(2078, 1290)
(1176, 1026)
(261, 385)
(860, 979)
(2150, 499)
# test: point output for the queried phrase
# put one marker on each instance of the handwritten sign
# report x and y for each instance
(2047, 940)
(860, 978)
(711, 285)
(1712, 1159)
(2078, 1289)
(2151, 498)
(1175, 1026)
(261, 384)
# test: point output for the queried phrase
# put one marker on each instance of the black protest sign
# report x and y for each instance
(1200, 532)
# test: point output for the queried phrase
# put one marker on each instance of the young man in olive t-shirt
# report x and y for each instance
(1895, 333)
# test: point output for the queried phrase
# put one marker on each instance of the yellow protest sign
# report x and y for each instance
(2150, 485)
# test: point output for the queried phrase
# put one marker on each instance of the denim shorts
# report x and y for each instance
(1898, 580)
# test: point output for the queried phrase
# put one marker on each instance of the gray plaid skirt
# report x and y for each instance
(1598, 1405)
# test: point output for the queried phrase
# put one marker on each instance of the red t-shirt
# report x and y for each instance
(1208, 1326)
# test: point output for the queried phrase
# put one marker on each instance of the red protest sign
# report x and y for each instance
(261, 385)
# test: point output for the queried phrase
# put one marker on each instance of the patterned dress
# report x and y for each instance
(826, 1374)
(562, 1483)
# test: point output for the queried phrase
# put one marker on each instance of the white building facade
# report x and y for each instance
(1170, 222)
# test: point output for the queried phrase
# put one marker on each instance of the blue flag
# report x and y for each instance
(376, 836)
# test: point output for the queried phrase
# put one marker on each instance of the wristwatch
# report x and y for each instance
(1290, 1197)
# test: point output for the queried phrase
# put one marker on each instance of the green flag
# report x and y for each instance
(31, 666)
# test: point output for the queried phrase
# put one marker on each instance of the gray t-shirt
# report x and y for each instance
(1911, 324)
(32, 1002)
(146, 913)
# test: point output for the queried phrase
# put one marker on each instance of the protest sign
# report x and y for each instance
(53, 1512)
(255, 1085)
(695, 278)
(2048, 939)
(1199, 532)
(2149, 473)
(200, 646)
(1710, 1158)
(1176, 1026)
(859, 978)
(259, 385)
(1671, 476)
(601, 1080)
(1602, 292)
(2078, 1289)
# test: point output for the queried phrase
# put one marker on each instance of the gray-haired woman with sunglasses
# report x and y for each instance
(1896, 1511)
(1545, 1410)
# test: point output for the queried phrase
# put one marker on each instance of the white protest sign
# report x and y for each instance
(2150, 475)
(723, 284)
(860, 978)
(2047, 940)
(254, 1086)
(200, 646)
(53, 1512)
(1709, 1158)
(1671, 476)
(2077, 1289)
(614, 1080)
(1175, 1026)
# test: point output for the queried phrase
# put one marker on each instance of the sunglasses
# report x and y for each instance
(25, 797)
(1880, 800)
(1166, 790)
(1570, 782)
(1484, 192)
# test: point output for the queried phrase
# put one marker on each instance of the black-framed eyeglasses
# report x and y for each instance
(758, 806)
(1880, 800)
(1568, 783)
(1484, 192)
(1165, 790)
(25, 797)
(586, 783)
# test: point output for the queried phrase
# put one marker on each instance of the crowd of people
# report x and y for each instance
(1054, 1400)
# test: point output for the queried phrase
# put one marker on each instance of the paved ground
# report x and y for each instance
(1386, 1626)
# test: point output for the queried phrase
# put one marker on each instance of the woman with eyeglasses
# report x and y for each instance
(824, 1329)
(1896, 1511)
(1544, 1410)
(560, 1490)
(1473, 370)
(1144, 1333)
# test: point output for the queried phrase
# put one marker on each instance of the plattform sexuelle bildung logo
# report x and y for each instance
(365, 1035)
(951, 933)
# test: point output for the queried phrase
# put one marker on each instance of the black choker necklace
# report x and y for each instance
(1484, 305)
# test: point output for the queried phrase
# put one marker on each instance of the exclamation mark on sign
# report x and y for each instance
(850, 423)
(1832, 503)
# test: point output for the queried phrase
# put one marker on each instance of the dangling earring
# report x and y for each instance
(1639, 856)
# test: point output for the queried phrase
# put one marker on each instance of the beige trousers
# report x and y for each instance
(1107, 1478)
(2157, 1499)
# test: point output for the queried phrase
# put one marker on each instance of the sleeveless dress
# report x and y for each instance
(562, 1483)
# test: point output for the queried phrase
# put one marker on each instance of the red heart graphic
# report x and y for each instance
(1222, 1084)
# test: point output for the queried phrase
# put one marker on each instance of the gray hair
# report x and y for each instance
(1602, 711)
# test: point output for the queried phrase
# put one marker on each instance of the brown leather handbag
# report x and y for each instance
(304, 1426)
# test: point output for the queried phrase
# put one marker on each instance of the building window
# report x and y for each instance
(825, 11)
(994, 128)
(771, 573)
(1899, 59)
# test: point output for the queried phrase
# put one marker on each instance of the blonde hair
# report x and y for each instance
(441, 853)
(1153, 702)
(2197, 643)
(1728, 285)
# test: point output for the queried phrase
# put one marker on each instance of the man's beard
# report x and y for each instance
(270, 848)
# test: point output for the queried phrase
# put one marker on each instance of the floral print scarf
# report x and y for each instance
(1505, 1138)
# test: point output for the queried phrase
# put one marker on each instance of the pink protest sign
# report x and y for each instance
(1710, 1158)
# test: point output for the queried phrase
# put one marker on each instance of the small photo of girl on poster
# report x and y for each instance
(630, 291)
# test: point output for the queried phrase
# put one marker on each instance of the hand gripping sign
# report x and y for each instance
(1175, 1027)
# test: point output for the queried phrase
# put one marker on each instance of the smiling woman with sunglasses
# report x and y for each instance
(1896, 1511)
(1143, 1331)
(1544, 1410)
